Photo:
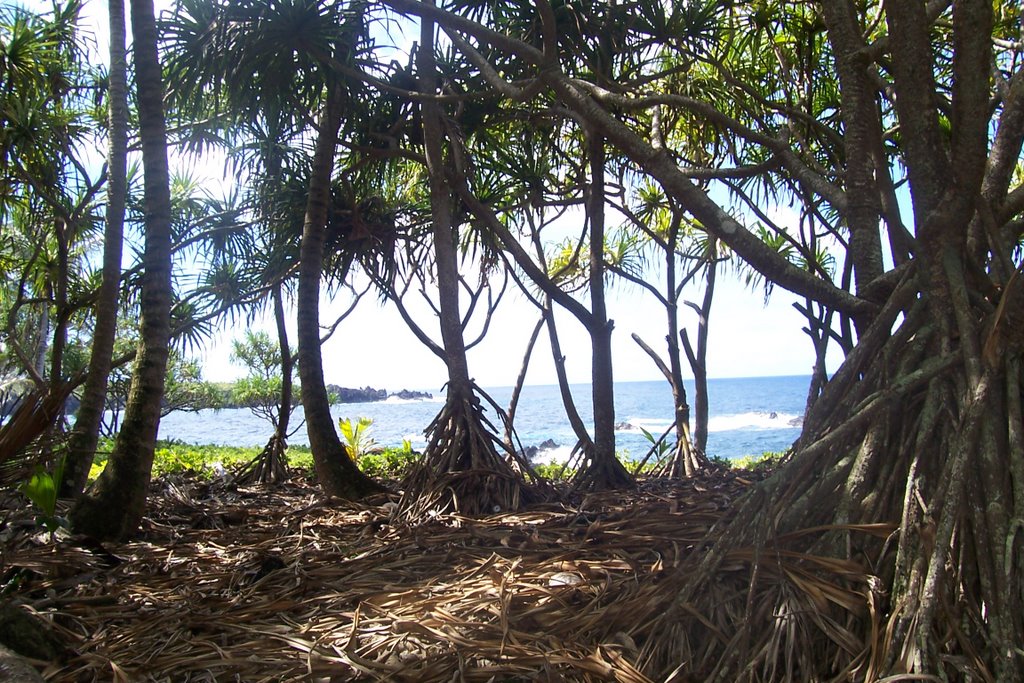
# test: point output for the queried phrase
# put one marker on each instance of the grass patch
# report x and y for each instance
(388, 463)
(172, 457)
(767, 461)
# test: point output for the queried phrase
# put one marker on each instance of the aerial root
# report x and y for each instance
(270, 466)
(466, 469)
(897, 569)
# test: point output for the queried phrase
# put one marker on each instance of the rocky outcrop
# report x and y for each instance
(532, 452)
(364, 395)
(407, 395)
(369, 394)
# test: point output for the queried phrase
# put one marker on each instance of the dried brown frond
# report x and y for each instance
(34, 415)
(275, 584)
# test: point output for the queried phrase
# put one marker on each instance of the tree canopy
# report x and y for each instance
(891, 132)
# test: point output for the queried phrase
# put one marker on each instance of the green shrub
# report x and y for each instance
(300, 457)
(768, 460)
(554, 471)
(357, 435)
(390, 463)
(175, 457)
(41, 489)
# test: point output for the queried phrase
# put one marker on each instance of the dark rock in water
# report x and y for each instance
(797, 422)
(623, 427)
(364, 395)
(370, 395)
(773, 415)
(532, 452)
(407, 395)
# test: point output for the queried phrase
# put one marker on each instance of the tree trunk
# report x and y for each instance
(461, 470)
(698, 359)
(334, 467)
(61, 231)
(114, 508)
(517, 388)
(603, 470)
(85, 435)
(284, 412)
(860, 130)
(43, 347)
(579, 427)
(682, 458)
(270, 466)
(442, 202)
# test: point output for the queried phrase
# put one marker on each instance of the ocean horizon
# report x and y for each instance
(747, 416)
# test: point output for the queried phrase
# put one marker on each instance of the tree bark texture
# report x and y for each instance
(889, 545)
(115, 505)
(603, 469)
(335, 469)
(85, 436)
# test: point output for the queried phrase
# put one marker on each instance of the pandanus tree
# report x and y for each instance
(263, 264)
(655, 229)
(576, 27)
(887, 545)
(49, 201)
(251, 60)
(114, 506)
(85, 436)
(600, 467)
(466, 467)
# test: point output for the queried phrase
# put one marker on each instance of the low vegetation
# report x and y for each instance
(208, 461)
(389, 463)
(865, 157)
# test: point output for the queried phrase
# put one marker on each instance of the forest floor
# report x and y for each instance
(274, 583)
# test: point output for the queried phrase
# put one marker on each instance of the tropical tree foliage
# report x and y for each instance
(864, 156)
(900, 120)
(48, 196)
(267, 391)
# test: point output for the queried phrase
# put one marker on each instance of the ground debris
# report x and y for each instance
(271, 583)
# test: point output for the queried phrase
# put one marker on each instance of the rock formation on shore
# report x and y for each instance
(370, 395)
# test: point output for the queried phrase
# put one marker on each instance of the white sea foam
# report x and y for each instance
(653, 425)
(754, 420)
(552, 456)
(720, 423)
(395, 400)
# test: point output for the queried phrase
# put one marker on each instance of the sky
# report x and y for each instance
(748, 337)
(374, 347)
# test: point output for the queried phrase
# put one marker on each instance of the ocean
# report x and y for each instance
(747, 417)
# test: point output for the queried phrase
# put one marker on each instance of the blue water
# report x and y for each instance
(747, 417)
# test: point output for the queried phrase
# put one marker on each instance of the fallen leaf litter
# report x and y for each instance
(276, 584)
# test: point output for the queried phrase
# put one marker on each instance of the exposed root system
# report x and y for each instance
(269, 467)
(466, 468)
(276, 584)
